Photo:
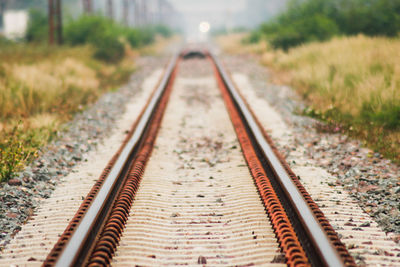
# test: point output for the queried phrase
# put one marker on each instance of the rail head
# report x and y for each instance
(321, 243)
(72, 254)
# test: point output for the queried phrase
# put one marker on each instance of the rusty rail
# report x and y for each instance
(304, 234)
(321, 249)
(75, 245)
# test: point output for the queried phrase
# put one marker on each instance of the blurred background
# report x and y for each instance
(182, 15)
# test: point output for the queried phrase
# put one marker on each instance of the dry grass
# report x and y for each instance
(35, 80)
(159, 46)
(353, 82)
(40, 88)
(345, 73)
(44, 87)
(233, 44)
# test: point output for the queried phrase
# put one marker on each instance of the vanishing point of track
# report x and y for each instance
(304, 235)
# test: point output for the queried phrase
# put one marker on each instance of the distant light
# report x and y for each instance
(204, 27)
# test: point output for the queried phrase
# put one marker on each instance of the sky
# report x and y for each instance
(227, 14)
(219, 13)
(186, 6)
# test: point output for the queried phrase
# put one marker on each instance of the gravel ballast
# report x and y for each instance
(368, 177)
(20, 196)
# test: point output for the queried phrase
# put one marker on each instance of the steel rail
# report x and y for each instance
(324, 251)
(81, 240)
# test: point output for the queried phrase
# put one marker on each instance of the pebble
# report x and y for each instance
(373, 181)
(21, 195)
(14, 182)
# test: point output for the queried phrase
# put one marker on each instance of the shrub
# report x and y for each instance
(318, 20)
(133, 36)
(163, 30)
(318, 28)
(146, 35)
(38, 29)
(108, 48)
(102, 33)
(286, 38)
(314, 28)
(253, 38)
(106, 35)
(88, 29)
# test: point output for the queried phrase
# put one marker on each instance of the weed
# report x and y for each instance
(351, 83)
(43, 86)
(13, 154)
(387, 117)
(43, 91)
(109, 49)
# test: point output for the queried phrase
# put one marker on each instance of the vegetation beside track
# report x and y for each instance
(342, 57)
(352, 83)
(42, 86)
(307, 21)
(107, 37)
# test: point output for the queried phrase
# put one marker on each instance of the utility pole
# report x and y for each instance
(110, 12)
(144, 12)
(125, 12)
(87, 6)
(159, 11)
(55, 21)
(59, 22)
(51, 21)
(2, 8)
(136, 5)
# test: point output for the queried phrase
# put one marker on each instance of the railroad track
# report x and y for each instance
(237, 208)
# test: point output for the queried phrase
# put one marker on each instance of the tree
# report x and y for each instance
(55, 21)
(2, 8)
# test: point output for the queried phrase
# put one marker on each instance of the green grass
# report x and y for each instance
(308, 21)
(43, 86)
(352, 83)
(19, 145)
